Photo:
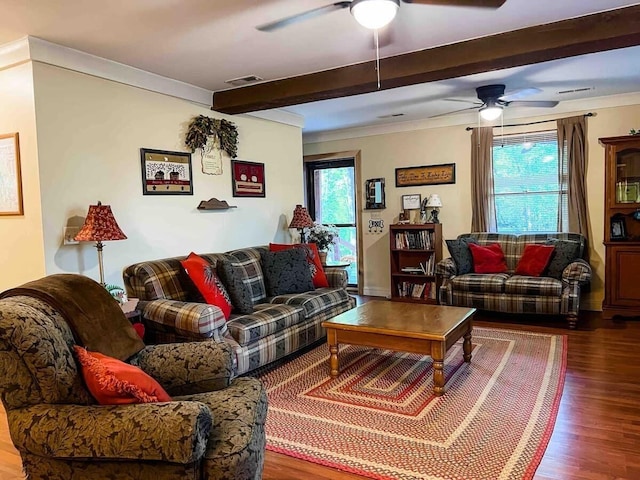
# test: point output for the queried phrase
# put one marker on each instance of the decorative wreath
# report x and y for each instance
(203, 127)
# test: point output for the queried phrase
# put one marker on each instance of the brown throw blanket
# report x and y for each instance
(95, 318)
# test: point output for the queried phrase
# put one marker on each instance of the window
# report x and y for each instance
(530, 185)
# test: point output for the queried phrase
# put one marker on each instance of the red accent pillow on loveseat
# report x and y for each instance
(534, 260)
(488, 258)
(317, 272)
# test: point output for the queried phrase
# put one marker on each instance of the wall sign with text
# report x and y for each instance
(427, 175)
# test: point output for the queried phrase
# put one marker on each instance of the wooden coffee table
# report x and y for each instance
(405, 327)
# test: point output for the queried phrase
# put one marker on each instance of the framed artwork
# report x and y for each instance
(618, 228)
(166, 173)
(427, 175)
(374, 192)
(247, 179)
(411, 202)
(10, 175)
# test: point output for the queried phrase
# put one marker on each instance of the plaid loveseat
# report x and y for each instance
(174, 312)
(506, 292)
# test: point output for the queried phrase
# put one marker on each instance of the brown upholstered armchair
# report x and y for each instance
(213, 428)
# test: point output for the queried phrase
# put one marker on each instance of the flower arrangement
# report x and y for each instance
(633, 131)
(323, 236)
(116, 292)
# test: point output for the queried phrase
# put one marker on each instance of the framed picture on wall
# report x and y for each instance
(248, 179)
(10, 175)
(411, 202)
(426, 175)
(166, 173)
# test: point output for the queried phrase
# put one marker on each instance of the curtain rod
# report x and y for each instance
(468, 129)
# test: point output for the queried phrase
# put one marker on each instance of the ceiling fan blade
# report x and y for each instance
(532, 103)
(455, 111)
(518, 94)
(299, 17)
(461, 3)
(479, 104)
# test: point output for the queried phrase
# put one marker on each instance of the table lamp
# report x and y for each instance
(435, 203)
(301, 220)
(100, 225)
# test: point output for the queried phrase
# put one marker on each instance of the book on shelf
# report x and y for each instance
(424, 291)
(419, 240)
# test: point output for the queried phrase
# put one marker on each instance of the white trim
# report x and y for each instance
(584, 104)
(69, 58)
(280, 116)
(14, 53)
(376, 292)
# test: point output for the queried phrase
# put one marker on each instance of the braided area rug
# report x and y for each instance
(380, 419)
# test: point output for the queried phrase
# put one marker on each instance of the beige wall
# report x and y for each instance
(381, 154)
(21, 247)
(90, 132)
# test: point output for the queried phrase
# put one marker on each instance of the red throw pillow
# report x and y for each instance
(317, 272)
(203, 275)
(488, 259)
(112, 382)
(534, 260)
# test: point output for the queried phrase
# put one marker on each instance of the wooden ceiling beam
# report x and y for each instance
(567, 38)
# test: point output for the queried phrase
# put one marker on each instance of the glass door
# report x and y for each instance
(331, 195)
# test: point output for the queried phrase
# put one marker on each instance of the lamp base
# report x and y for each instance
(434, 216)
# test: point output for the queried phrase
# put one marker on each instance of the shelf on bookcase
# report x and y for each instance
(416, 250)
(414, 300)
(413, 275)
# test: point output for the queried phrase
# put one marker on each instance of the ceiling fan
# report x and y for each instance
(373, 14)
(493, 100)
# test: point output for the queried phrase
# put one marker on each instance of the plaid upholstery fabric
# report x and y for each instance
(248, 259)
(577, 272)
(315, 301)
(286, 341)
(480, 282)
(521, 294)
(163, 279)
(446, 268)
(266, 320)
(187, 319)
(337, 277)
(524, 285)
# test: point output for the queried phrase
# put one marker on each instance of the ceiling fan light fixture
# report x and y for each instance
(491, 112)
(374, 14)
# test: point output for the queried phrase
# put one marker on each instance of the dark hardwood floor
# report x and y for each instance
(597, 433)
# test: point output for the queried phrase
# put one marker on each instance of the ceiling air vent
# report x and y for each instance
(576, 90)
(238, 82)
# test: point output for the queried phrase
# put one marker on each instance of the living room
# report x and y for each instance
(81, 131)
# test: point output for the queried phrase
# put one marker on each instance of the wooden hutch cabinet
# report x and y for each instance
(622, 226)
(415, 250)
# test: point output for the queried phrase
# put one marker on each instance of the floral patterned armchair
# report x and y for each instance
(213, 428)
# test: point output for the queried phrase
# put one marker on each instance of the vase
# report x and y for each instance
(323, 257)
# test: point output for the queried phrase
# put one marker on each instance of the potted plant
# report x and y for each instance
(324, 236)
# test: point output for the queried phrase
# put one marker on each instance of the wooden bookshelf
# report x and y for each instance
(415, 249)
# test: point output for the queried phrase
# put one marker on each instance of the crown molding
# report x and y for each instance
(567, 106)
(35, 49)
(280, 116)
(14, 53)
(78, 61)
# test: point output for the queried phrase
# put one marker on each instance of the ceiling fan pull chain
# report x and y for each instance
(375, 36)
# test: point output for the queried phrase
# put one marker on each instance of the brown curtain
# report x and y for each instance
(572, 153)
(483, 207)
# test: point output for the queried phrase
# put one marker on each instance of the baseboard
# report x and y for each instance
(376, 292)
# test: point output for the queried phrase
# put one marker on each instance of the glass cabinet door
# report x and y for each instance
(628, 176)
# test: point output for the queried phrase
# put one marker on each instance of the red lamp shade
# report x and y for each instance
(301, 218)
(100, 225)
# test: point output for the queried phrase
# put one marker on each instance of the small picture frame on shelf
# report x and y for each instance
(411, 202)
(618, 228)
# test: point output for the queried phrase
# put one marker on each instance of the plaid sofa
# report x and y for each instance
(506, 292)
(173, 311)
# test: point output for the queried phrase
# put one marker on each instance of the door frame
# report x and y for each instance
(337, 156)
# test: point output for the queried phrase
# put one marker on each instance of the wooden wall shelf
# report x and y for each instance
(215, 204)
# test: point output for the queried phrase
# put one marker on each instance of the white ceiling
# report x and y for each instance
(205, 42)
